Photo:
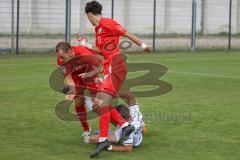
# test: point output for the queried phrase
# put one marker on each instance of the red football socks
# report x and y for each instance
(104, 120)
(116, 117)
(82, 115)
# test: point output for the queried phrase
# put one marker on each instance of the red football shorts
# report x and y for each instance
(80, 86)
(114, 76)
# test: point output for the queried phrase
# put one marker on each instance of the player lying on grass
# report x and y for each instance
(108, 33)
(132, 114)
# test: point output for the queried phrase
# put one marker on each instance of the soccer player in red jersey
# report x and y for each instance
(108, 32)
(76, 61)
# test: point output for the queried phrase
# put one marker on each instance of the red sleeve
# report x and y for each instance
(87, 56)
(116, 28)
(79, 51)
(91, 60)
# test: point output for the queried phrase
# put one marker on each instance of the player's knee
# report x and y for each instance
(131, 95)
(128, 95)
(97, 104)
(95, 108)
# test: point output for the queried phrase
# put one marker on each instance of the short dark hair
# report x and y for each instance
(124, 111)
(94, 7)
(64, 46)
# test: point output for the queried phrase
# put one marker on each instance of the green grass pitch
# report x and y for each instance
(206, 86)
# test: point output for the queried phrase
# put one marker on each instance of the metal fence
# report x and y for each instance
(37, 25)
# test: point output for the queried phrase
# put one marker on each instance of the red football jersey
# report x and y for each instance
(84, 61)
(108, 33)
(79, 51)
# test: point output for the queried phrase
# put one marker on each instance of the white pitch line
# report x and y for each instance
(26, 64)
(174, 72)
(205, 74)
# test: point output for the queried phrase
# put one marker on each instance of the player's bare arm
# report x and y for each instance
(111, 137)
(137, 41)
(94, 72)
(95, 138)
(83, 42)
(71, 94)
(124, 148)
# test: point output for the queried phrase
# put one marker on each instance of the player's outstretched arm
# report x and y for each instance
(137, 41)
(97, 70)
(125, 148)
(96, 64)
(95, 139)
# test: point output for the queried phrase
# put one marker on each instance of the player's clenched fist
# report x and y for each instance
(70, 97)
